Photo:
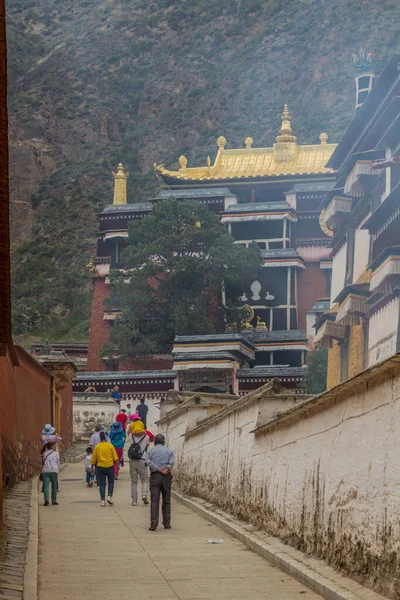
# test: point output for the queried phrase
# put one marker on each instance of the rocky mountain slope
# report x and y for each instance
(143, 81)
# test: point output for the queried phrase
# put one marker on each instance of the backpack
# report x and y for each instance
(135, 451)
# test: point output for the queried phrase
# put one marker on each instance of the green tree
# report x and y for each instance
(177, 260)
(317, 371)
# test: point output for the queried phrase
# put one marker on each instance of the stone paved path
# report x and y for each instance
(14, 540)
(88, 552)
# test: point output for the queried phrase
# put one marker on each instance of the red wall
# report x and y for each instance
(99, 328)
(311, 285)
(7, 417)
(32, 411)
(24, 410)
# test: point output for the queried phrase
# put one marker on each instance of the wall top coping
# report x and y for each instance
(270, 390)
(367, 379)
(203, 402)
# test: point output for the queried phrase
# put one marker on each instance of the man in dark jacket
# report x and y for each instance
(142, 410)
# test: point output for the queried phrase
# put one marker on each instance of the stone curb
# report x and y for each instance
(337, 588)
(31, 562)
(74, 459)
(30, 583)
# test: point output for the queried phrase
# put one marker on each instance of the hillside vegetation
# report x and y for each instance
(142, 81)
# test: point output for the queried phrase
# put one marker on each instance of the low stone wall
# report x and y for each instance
(323, 476)
(90, 409)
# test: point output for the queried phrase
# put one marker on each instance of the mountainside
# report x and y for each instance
(142, 81)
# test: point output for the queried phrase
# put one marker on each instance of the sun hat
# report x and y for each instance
(137, 428)
(134, 417)
(49, 429)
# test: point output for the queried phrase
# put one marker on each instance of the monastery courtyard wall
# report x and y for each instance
(323, 476)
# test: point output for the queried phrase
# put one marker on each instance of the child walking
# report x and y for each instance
(88, 467)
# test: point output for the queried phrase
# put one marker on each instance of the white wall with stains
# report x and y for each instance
(324, 476)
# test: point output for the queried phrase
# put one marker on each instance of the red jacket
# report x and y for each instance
(122, 418)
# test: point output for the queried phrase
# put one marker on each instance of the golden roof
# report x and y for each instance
(284, 158)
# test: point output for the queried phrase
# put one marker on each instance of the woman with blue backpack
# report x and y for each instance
(117, 438)
(138, 443)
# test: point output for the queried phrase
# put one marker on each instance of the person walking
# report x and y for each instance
(142, 409)
(88, 467)
(160, 459)
(122, 418)
(117, 438)
(104, 458)
(94, 440)
(50, 470)
(139, 442)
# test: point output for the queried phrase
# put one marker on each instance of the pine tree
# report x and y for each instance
(178, 260)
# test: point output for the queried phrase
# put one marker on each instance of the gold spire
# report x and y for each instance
(120, 178)
(285, 133)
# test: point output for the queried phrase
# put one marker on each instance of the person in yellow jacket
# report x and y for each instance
(103, 458)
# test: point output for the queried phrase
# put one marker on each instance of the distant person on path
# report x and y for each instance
(122, 418)
(49, 435)
(104, 458)
(88, 467)
(49, 474)
(117, 438)
(116, 394)
(160, 459)
(138, 443)
(142, 409)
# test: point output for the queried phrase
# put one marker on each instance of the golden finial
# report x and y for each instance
(120, 178)
(221, 142)
(248, 143)
(323, 137)
(91, 267)
(260, 324)
(208, 162)
(183, 162)
(285, 133)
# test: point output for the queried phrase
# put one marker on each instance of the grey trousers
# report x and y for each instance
(138, 468)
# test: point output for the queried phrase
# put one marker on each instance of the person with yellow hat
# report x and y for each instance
(138, 444)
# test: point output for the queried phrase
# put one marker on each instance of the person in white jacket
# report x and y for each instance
(50, 470)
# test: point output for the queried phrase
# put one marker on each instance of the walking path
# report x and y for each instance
(86, 551)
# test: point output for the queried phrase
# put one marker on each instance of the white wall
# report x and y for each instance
(90, 409)
(361, 252)
(325, 480)
(338, 272)
(382, 332)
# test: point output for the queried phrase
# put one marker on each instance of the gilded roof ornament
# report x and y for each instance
(285, 133)
(325, 228)
(248, 315)
(120, 178)
(260, 324)
(182, 162)
(323, 138)
(248, 142)
(221, 142)
(208, 161)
